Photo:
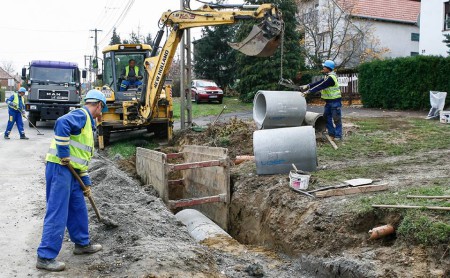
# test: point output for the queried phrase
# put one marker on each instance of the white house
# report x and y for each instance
(392, 25)
(434, 24)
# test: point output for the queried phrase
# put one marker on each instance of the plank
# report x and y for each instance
(351, 190)
(331, 141)
(428, 197)
(411, 207)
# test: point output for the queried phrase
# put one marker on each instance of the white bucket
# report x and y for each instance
(298, 181)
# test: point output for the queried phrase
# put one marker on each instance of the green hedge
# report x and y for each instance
(404, 83)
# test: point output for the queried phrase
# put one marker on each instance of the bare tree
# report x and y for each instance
(330, 33)
(8, 66)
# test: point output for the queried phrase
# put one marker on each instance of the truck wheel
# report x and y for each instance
(197, 100)
(32, 120)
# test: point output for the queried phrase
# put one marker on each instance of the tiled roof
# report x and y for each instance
(4, 74)
(397, 10)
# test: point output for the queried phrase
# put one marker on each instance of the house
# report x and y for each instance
(434, 24)
(4, 77)
(370, 29)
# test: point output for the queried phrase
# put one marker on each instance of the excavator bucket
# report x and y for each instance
(262, 41)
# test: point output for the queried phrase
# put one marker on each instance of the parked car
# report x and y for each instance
(206, 90)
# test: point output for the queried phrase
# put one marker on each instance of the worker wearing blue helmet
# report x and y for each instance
(72, 144)
(331, 93)
(16, 108)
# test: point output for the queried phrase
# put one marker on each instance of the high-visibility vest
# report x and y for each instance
(332, 92)
(127, 70)
(81, 146)
(16, 101)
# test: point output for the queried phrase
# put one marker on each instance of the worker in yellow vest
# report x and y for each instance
(130, 76)
(73, 143)
(16, 108)
(331, 93)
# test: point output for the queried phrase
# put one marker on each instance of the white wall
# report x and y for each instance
(431, 28)
(396, 37)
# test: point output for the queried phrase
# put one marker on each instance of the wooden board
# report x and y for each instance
(351, 190)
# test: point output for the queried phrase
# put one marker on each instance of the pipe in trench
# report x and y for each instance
(275, 109)
(198, 225)
(277, 149)
(315, 120)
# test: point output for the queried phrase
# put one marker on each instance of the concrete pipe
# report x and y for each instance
(315, 120)
(277, 149)
(199, 226)
(275, 109)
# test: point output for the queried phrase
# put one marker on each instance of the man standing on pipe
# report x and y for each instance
(73, 143)
(331, 93)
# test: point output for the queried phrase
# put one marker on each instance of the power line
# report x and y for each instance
(119, 20)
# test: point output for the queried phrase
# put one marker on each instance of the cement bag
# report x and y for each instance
(437, 101)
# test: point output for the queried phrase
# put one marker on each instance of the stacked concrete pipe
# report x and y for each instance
(282, 141)
(199, 226)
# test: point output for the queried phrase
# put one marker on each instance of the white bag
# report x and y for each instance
(437, 101)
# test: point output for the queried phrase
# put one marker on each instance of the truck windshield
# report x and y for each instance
(56, 75)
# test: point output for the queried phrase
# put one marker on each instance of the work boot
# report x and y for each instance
(338, 139)
(22, 136)
(50, 264)
(7, 136)
(88, 249)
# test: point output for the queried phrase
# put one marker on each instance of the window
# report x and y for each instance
(415, 37)
(447, 15)
(414, 53)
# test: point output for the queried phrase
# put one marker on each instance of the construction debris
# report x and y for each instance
(381, 231)
(351, 190)
(352, 182)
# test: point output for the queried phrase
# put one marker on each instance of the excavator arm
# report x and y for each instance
(262, 41)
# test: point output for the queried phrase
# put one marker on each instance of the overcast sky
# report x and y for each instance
(59, 30)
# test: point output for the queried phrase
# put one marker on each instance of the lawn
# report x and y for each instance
(207, 109)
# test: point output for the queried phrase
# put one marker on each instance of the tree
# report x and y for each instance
(115, 38)
(134, 38)
(330, 33)
(213, 58)
(256, 73)
(8, 66)
(148, 39)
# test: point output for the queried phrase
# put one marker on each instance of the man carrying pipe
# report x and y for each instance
(16, 108)
(73, 143)
(331, 93)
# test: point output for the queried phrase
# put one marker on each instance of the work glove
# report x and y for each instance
(12, 104)
(304, 88)
(65, 161)
(87, 192)
(122, 77)
(139, 77)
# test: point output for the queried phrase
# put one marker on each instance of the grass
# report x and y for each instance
(127, 147)
(390, 137)
(427, 227)
(207, 109)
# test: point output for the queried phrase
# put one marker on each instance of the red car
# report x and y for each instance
(206, 90)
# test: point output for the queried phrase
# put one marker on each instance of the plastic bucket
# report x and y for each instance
(298, 181)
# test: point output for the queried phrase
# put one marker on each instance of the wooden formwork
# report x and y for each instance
(205, 182)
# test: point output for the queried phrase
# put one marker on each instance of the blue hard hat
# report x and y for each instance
(329, 64)
(22, 90)
(97, 95)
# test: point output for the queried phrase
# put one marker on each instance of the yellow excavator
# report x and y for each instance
(150, 105)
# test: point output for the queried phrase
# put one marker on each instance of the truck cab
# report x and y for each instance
(54, 89)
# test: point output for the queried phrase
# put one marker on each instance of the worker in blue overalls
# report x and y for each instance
(331, 93)
(73, 143)
(130, 76)
(16, 108)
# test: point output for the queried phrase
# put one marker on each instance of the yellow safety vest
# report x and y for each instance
(332, 92)
(16, 101)
(127, 70)
(81, 147)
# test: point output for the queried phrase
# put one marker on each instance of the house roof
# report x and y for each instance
(392, 10)
(4, 74)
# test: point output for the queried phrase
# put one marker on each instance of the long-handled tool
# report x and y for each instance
(105, 220)
(39, 133)
(83, 187)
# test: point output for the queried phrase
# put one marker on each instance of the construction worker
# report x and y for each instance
(73, 143)
(130, 76)
(16, 109)
(331, 93)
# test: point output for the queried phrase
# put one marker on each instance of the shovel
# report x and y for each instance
(352, 182)
(39, 133)
(262, 41)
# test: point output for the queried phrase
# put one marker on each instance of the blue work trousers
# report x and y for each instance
(14, 117)
(65, 208)
(125, 84)
(333, 116)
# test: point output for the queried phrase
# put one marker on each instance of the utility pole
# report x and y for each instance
(182, 79)
(96, 50)
(188, 77)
